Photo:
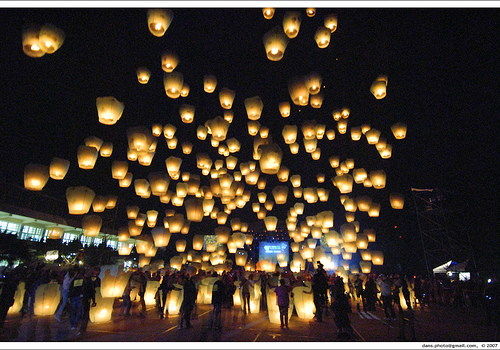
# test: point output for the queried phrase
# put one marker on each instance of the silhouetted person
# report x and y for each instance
(9, 287)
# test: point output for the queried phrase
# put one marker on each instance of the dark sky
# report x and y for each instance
(442, 68)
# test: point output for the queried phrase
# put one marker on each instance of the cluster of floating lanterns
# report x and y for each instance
(223, 179)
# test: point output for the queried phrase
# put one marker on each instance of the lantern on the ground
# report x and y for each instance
(304, 302)
(47, 298)
(275, 43)
(113, 281)
(159, 20)
(109, 110)
(103, 310)
(79, 199)
(36, 176)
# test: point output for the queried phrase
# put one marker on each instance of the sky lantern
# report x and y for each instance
(310, 145)
(308, 129)
(399, 131)
(296, 180)
(158, 182)
(51, 38)
(226, 98)
(284, 108)
(79, 199)
(58, 168)
(143, 75)
(186, 112)
(141, 187)
(362, 241)
(270, 222)
(320, 131)
(291, 23)
(218, 127)
(47, 298)
(289, 134)
(298, 92)
(330, 134)
(364, 203)
(270, 160)
(342, 126)
(109, 110)
(187, 147)
(194, 209)
(397, 200)
(119, 169)
(379, 86)
(316, 101)
(169, 61)
(173, 165)
(185, 90)
(173, 84)
(386, 152)
(159, 20)
(241, 257)
(202, 132)
(180, 245)
(268, 12)
(275, 43)
(322, 37)
(55, 232)
(253, 127)
(36, 176)
(374, 210)
(330, 22)
(93, 141)
(106, 149)
(310, 12)
(31, 42)
(372, 136)
(254, 106)
(198, 241)
(377, 257)
(209, 83)
(344, 183)
(126, 181)
(356, 133)
(152, 216)
(91, 225)
(334, 161)
(132, 211)
(348, 232)
(280, 194)
(99, 204)
(378, 178)
(133, 229)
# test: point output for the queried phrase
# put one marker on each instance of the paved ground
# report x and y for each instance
(435, 324)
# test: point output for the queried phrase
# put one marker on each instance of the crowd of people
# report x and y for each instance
(332, 294)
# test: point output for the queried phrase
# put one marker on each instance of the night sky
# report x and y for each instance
(442, 69)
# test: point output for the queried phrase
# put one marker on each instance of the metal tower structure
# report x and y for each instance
(441, 230)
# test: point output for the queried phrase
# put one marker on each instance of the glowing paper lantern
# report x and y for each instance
(377, 257)
(372, 136)
(298, 92)
(91, 225)
(366, 267)
(159, 20)
(322, 37)
(87, 156)
(273, 309)
(18, 299)
(104, 309)
(270, 222)
(106, 149)
(268, 12)
(378, 178)
(330, 22)
(209, 83)
(304, 302)
(36, 176)
(169, 62)
(397, 200)
(218, 127)
(58, 168)
(280, 194)
(47, 298)
(344, 183)
(378, 87)
(32, 45)
(109, 110)
(254, 106)
(173, 83)
(399, 131)
(270, 160)
(226, 98)
(374, 210)
(186, 112)
(194, 209)
(291, 23)
(143, 75)
(275, 43)
(113, 281)
(79, 199)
